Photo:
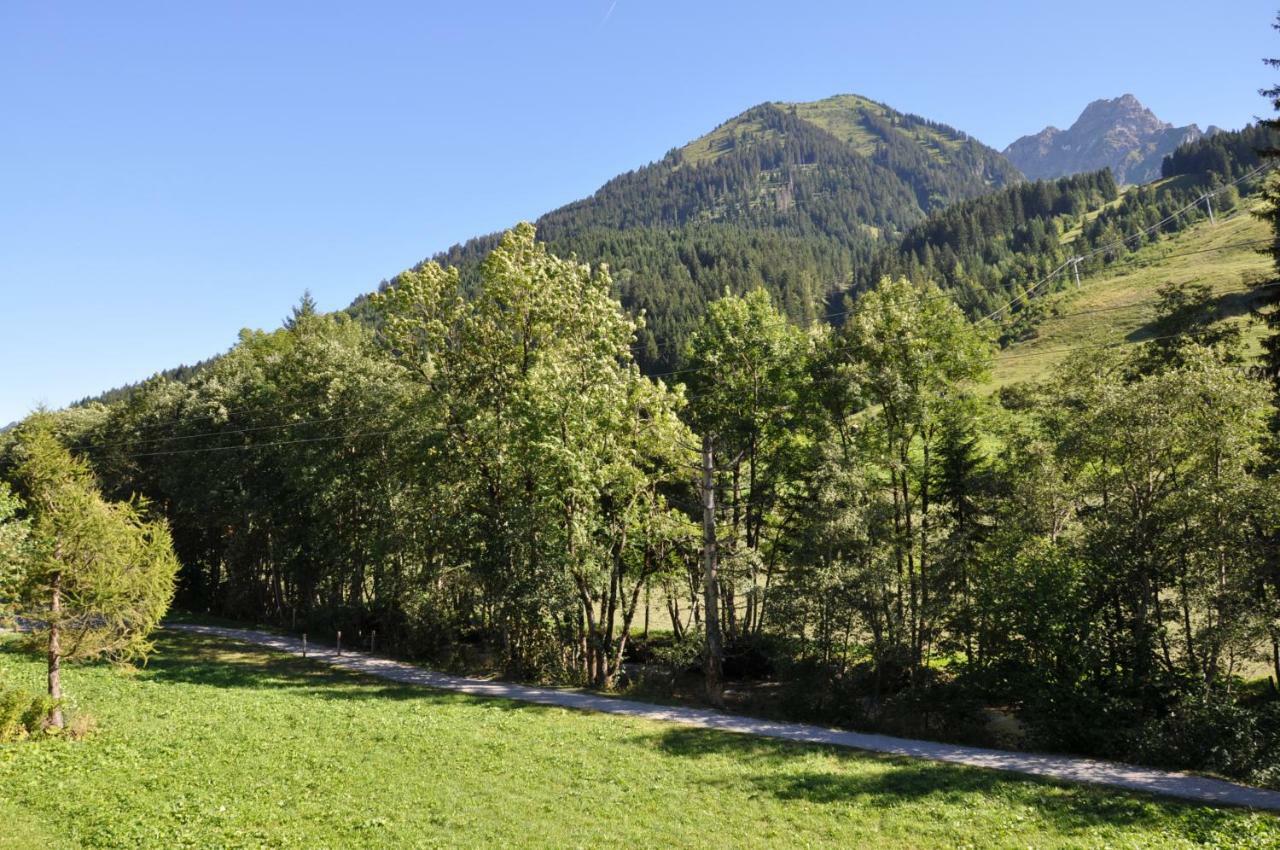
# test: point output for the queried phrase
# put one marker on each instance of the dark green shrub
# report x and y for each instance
(1216, 734)
(22, 713)
(1081, 720)
(936, 710)
(750, 657)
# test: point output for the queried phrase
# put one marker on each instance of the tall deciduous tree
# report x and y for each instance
(914, 355)
(557, 447)
(746, 364)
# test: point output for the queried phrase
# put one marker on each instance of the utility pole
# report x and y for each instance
(1075, 268)
(1208, 205)
(711, 587)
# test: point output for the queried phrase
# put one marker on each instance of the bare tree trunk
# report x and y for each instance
(646, 611)
(55, 651)
(1275, 660)
(715, 659)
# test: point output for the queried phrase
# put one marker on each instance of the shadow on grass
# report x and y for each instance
(193, 659)
(761, 766)
(1229, 305)
(893, 782)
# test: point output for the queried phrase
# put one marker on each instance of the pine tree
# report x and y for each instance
(97, 576)
(1270, 313)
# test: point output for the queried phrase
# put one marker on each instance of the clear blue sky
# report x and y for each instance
(173, 171)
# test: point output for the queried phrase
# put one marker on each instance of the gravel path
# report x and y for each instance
(1150, 780)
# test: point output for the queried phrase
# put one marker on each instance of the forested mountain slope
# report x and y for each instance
(841, 167)
(818, 201)
(789, 196)
(1012, 247)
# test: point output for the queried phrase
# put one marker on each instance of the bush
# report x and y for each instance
(750, 657)
(816, 692)
(937, 710)
(1213, 733)
(1081, 720)
(22, 713)
(680, 656)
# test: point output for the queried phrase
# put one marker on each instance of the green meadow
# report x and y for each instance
(218, 744)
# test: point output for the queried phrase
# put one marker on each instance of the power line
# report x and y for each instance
(1120, 242)
(246, 446)
(172, 437)
(407, 428)
(1172, 255)
(688, 397)
(1121, 344)
(227, 413)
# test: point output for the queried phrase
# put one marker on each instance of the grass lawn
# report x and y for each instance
(218, 744)
(21, 829)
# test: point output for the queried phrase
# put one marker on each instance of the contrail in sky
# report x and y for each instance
(608, 13)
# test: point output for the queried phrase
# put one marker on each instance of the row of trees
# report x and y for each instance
(492, 480)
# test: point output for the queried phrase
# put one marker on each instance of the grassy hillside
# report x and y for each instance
(218, 744)
(845, 116)
(1119, 305)
(853, 119)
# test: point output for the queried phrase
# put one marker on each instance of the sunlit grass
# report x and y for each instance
(1118, 305)
(218, 744)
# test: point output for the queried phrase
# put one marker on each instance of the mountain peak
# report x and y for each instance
(930, 160)
(1117, 133)
(1125, 110)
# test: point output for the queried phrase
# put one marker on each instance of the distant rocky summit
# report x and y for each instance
(1121, 134)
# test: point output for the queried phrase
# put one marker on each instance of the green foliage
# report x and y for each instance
(14, 531)
(570, 443)
(490, 471)
(481, 473)
(106, 570)
(1137, 536)
(1186, 316)
(747, 364)
(22, 713)
(874, 541)
(1227, 154)
(1204, 733)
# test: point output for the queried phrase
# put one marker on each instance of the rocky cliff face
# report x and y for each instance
(1119, 134)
